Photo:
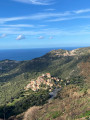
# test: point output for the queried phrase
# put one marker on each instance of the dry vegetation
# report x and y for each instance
(71, 104)
(31, 114)
(85, 69)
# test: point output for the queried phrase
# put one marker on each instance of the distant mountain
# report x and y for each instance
(73, 67)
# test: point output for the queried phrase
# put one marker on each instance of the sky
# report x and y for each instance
(44, 23)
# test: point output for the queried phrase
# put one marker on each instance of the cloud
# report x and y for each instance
(3, 35)
(41, 37)
(51, 37)
(42, 25)
(46, 32)
(36, 2)
(69, 18)
(20, 37)
(82, 11)
(18, 25)
(50, 9)
(47, 16)
(3, 20)
(38, 16)
(9, 30)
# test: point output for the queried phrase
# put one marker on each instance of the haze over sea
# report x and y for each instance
(27, 54)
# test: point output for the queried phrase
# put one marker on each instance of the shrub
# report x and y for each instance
(31, 113)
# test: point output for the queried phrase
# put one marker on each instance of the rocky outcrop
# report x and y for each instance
(76, 52)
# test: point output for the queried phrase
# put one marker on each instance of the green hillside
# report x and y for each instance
(72, 66)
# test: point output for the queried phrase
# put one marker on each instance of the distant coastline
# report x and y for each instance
(27, 54)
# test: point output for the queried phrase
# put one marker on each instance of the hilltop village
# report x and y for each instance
(44, 81)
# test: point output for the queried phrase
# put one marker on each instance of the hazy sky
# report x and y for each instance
(44, 23)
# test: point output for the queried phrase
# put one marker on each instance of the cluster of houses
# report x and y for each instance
(45, 80)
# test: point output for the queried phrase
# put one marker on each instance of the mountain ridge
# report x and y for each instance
(15, 76)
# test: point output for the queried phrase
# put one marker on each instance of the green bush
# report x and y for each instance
(35, 99)
(56, 114)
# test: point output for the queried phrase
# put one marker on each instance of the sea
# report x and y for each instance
(27, 54)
